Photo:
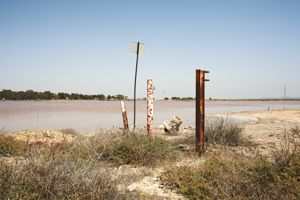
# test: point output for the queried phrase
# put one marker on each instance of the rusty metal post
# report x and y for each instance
(150, 100)
(124, 116)
(200, 110)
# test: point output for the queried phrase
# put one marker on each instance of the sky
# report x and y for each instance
(251, 48)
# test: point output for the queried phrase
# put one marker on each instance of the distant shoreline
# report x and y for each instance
(177, 100)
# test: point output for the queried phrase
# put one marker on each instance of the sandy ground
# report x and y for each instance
(266, 128)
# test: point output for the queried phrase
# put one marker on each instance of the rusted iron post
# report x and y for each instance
(124, 116)
(150, 100)
(200, 109)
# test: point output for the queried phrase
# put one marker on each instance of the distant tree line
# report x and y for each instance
(180, 98)
(47, 95)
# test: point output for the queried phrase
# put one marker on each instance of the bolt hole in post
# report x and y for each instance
(200, 110)
(138, 49)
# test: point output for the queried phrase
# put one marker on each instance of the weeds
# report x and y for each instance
(221, 131)
(11, 147)
(225, 132)
(55, 179)
(80, 169)
(137, 149)
(69, 131)
(229, 175)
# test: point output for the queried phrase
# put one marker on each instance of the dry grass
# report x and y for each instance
(11, 147)
(81, 169)
(225, 132)
(137, 149)
(221, 132)
(55, 179)
(69, 131)
(229, 175)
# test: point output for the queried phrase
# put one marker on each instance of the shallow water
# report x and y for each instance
(88, 116)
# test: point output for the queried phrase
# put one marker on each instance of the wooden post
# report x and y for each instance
(124, 116)
(150, 100)
(200, 110)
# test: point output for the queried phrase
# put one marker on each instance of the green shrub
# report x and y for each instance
(11, 147)
(137, 149)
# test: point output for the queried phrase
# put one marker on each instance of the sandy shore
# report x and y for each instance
(267, 128)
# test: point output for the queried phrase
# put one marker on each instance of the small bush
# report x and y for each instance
(69, 131)
(225, 132)
(55, 179)
(137, 149)
(11, 147)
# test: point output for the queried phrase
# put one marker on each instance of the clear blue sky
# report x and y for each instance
(251, 48)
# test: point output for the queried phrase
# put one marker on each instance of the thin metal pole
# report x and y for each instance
(150, 100)
(197, 110)
(134, 100)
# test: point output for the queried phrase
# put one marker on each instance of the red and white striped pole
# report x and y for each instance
(150, 100)
(124, 116)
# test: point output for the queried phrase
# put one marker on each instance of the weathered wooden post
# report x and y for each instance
(200, 109)
(150, 100)
(124, 116)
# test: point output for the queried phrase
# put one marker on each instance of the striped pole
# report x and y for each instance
(124, 116)
(150, 100)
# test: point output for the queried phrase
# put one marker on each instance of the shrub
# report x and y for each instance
(11, 147)
(229, 175)
(69, 131)
(137, 149)
(221, 131)
(40, 178)
(225, 132)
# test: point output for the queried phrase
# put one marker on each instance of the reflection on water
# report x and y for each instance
(87, 116)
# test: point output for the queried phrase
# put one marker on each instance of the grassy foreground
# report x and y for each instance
(85, 168)
(75, 170)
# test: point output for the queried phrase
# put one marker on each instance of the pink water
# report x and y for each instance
(88, 116)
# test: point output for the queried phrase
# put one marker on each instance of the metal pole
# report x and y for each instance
(134, 100)
(150, 100)
(200, 110)
(124, 116)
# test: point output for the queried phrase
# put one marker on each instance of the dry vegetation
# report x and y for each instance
(75, 170)
(84, 168)
(229, 175)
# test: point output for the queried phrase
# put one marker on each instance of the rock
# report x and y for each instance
(161, 127)
(172, 125)
(182, 147)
